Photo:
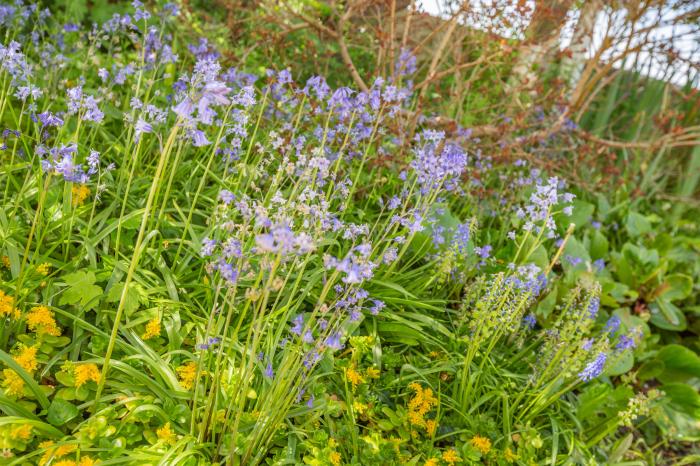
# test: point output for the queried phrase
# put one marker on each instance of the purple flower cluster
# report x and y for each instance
(537, 215)
(594, 368)
(85, 106)
(61, 161)
(356, 265)
(438, 163)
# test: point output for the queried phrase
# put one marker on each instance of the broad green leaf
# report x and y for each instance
(650, 370)
(622, 365)
(680, 364)
(81, 290)
(135, 295)
(599, 245)
(61, 411)
(667, 316)
(581, 215)
(637, 224)
(676, 286)
(683, 398)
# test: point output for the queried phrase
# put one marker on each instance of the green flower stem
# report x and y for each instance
(134, 262)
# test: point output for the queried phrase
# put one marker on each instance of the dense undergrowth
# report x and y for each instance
(203, 265)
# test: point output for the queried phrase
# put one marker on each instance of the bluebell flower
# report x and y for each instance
(308, 337)
(199, 139)
(318, 85)
(483, 252)
(377, 307)
(390, 255)
(333, 342)
(406, 64)
(298, 323)
(269, 372)
(93, 161)
(208, 246)
(226, 196)
(227, 271)
(461, 237)
(141, 127)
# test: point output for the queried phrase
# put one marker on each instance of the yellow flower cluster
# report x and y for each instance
(334, 457)
(431, 462)
(359, 407)
(419, 405)
(83, 373)
(166, 434)
(84, 461)
(481, 443)
(43, 269)
(7, 306)
(80, 193)
(152, 329)
(354, 377)
(21, 432)
(509, 455)
(451, 457)
(6, 262)
(188, 374)
(26, 358)
(40, 320)
(54, 453)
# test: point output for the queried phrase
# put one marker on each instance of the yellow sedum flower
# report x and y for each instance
(64, 450)
(87, 461)
(509, 455)
(451, 457)
(431, 426)
(7, 306)
(359, 407)
(431, 462)
(187, 374)
(6, 262)
(43, 269)
(40, 320)
(23, 432)
(354, 377)
(481, 443)
(83, 373)
(166, 434)
(64, 463)
(335, 458)
(419, 405)
(80, 193)
(53, 453)
(152, 329)
(27, 358)
(13, 383)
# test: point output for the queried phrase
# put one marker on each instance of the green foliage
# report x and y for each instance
(124, 342)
